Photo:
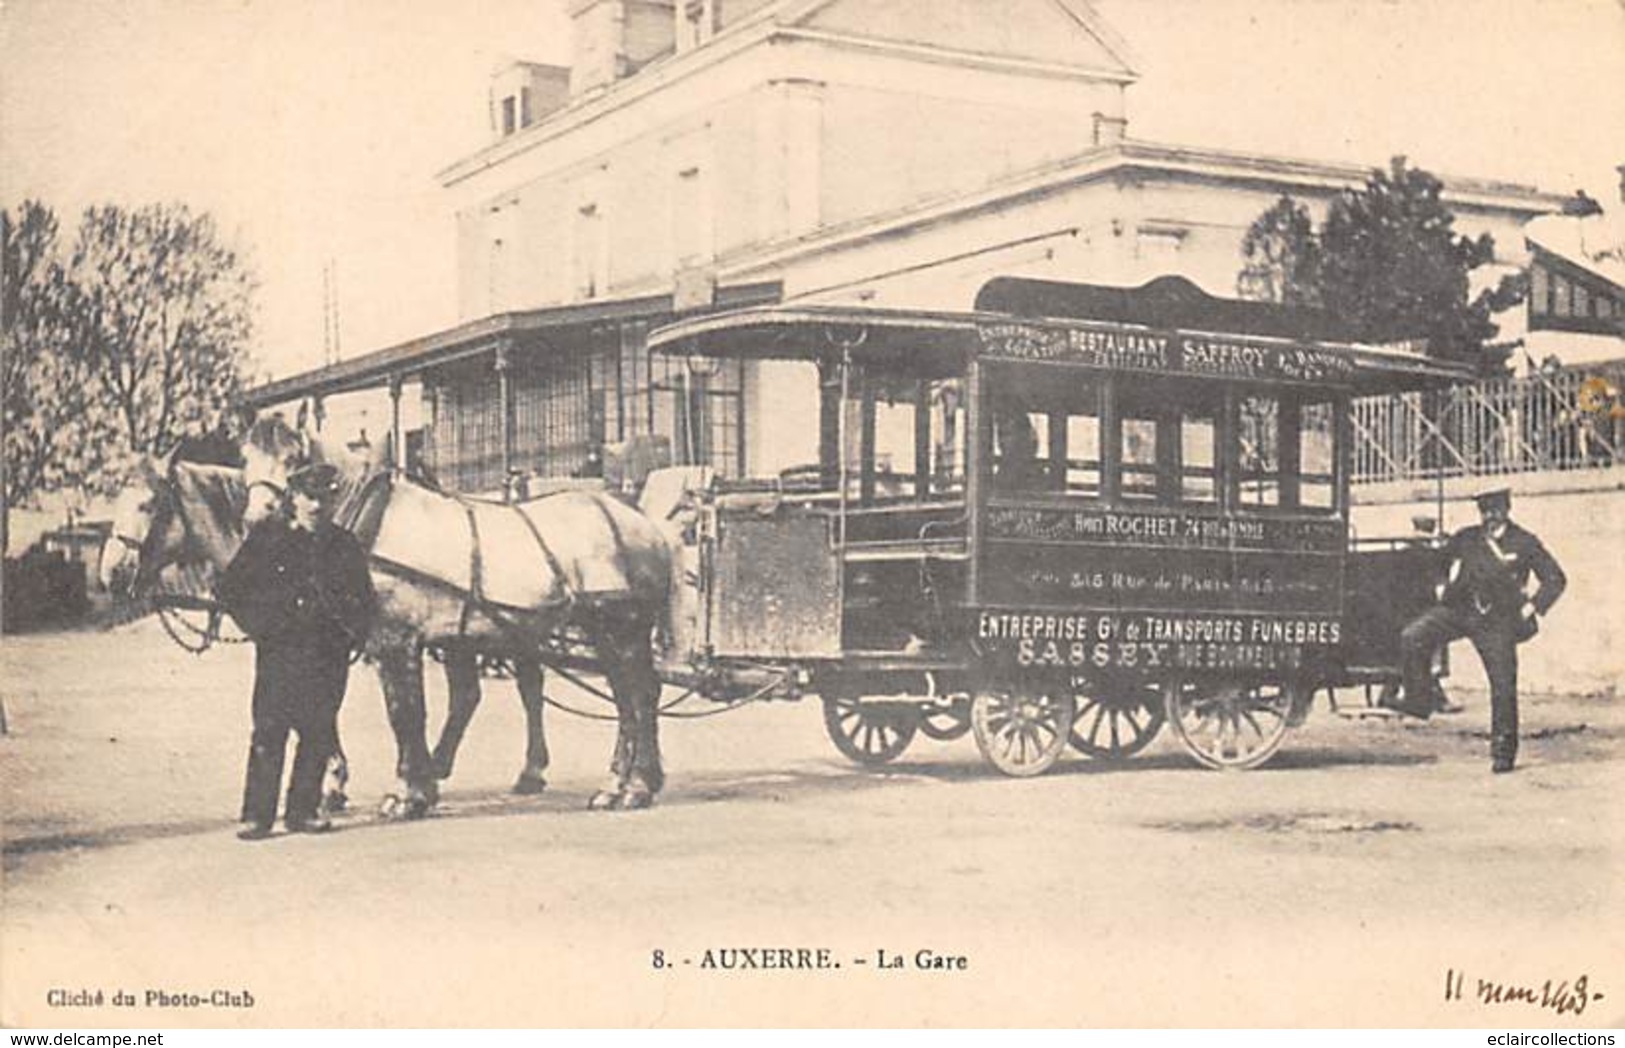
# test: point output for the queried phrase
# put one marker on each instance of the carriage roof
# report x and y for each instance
(1117, 328)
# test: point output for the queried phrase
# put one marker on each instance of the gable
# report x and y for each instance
(1052, 32)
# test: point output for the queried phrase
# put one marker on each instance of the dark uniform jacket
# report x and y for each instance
(1487, 577)
(291, 586)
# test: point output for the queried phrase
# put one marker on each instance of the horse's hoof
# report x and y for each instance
(529, 785)
(635, 800)
(604, 800)
(394, 807)
(335, 804)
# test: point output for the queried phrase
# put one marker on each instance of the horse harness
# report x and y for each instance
(476, 568)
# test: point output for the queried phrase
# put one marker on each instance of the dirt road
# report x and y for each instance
(1341, 885)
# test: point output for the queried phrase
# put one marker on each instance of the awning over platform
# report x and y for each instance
(377, 369)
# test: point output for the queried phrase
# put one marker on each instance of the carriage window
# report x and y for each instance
(945, 400)
(906, 437)
(1168, 442)
(1317, 456)
(1198, 462)
(1046, 434)
(1083, 454)
(1139, 451)
(1020, 449)
(1259, 462)
(894, 439)
(1287, 452)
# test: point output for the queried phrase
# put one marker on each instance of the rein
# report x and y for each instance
(190, 637)
(504, 668)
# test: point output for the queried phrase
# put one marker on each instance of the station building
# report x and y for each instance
(708, 154)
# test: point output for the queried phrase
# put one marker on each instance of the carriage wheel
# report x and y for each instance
(1116, 725)
(1233, 726)
(870, 733)
(946, 723)
(1022, 733)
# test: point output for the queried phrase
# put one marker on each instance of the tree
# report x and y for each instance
(140, 334)
(1283, 256)
(1387, 262)
(48, 397)
(166, 309)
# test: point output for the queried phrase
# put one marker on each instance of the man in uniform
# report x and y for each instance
(1484, 598)
(300, 588)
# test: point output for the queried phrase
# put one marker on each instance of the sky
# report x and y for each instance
(313, 129)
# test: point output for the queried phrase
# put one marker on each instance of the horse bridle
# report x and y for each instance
(277, 491)
(170, 606)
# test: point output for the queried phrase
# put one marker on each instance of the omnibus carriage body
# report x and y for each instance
(1070, 515)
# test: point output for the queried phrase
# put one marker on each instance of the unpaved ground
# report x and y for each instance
(1335, 887)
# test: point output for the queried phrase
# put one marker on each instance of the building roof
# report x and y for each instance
(1595, 243)
(1130, 156)
(807, 20)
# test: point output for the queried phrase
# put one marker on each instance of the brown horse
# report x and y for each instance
(461, 576)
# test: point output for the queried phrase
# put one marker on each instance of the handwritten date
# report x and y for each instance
(1561, 996)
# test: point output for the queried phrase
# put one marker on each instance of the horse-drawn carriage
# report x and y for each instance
(1072, 515)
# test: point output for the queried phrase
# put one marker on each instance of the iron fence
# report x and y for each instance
(1552, 419)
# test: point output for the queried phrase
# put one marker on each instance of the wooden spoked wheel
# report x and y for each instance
(1233, 726)
(946, 723)
(870, 733)
(1115, 725)
(1022, 732)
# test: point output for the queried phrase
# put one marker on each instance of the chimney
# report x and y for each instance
(615, 38)
(1110, 130)
(524, 93)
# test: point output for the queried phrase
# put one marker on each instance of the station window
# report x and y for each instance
(1540, 290)
(1560, 296)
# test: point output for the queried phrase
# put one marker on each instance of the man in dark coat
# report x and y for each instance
(300, 588)
(1484, 598)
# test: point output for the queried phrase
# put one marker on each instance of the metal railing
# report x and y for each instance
(1552, 419)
